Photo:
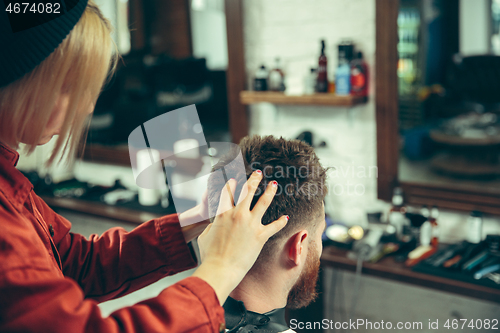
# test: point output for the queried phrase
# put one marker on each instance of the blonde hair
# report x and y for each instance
(80, 66)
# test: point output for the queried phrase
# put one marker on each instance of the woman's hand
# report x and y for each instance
(231, 244)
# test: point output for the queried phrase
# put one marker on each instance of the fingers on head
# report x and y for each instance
(266, 199)
(276, 226)
(250, 188)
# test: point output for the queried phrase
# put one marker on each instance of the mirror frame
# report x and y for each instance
(387, 113)
(236, 72)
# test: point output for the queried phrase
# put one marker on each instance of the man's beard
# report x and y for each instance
(304, 290)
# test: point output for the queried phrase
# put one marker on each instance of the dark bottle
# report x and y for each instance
(435, 228)
(260, 81)
(346, 50)
(359, 77)
(322, 80)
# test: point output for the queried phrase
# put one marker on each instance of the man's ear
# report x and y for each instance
(296, 248)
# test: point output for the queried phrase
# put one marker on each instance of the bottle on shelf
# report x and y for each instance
(435, 227)
(428, 238)
(359, 77)
(398, 201)
(277, 77)
(475, 227)
(343, 76)
(397, 214)
(260, 81)
(331, 84)
(322, 78)
(426, 227)
(346, 47)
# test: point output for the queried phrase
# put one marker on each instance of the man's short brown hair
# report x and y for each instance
(296, 168)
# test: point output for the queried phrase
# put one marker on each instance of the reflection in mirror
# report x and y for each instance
(177, 55)
(448, 86)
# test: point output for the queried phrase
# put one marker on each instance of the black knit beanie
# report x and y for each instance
(30, 33)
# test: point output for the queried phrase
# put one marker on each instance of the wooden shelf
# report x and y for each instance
(389, 269)
(99, 209)
(252, 97)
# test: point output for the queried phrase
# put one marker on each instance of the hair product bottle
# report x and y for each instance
(475, 227)
(397, 212)
(359, 77)
(260, 81)
(435, 227)
(322, 80)
(343, 76)
(429, 238)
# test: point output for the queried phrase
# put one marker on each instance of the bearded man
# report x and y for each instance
(286, 272)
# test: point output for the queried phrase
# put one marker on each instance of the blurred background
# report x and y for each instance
(401, 98)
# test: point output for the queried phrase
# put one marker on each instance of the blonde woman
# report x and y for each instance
(52, 69)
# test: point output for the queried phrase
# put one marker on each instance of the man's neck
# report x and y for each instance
(262, 294)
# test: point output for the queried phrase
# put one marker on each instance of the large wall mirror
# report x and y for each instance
(174, 53)
(438, 102)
